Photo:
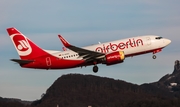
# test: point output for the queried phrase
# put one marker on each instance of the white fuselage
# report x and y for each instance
(130, 46)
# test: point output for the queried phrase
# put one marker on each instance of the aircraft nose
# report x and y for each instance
(167, 41)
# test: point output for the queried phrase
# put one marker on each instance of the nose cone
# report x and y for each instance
(167, 41)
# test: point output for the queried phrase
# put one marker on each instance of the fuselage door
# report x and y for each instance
(148, 39)
(48, 61)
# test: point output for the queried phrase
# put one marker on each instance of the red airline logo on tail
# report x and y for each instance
(21, 44)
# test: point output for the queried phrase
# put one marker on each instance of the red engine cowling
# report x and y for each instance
(114, 58)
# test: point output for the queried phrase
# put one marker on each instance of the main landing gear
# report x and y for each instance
(154, 56)
(95, 69)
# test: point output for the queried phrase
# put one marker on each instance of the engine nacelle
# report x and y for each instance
(114, 58)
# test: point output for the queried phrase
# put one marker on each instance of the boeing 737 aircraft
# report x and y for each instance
(109, 53)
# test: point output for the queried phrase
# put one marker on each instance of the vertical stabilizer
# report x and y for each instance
(24, 46)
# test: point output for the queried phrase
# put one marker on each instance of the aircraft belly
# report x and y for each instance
(63, 64)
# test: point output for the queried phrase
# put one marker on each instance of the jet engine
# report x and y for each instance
(114, 58)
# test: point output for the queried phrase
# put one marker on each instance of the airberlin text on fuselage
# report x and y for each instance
(120, 46)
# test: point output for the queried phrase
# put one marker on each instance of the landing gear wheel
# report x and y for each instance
(154, 56)
(95, 69)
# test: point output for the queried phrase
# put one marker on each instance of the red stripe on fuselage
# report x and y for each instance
(143, 52)
(51, 62)
(57, 63)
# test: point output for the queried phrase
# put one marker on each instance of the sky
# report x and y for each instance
(84, 23)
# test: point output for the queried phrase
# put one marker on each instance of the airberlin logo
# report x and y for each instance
(113, 57)
(131, 43)
(22, 45)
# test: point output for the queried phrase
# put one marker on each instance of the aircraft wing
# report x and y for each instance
(87, 55)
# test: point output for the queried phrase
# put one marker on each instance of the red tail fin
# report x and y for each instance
(24, 46)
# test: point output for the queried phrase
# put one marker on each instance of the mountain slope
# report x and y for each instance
(11, 102)
(77, 90)
(83, 90)
(171, 82)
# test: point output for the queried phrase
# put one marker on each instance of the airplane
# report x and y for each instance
(109, 53)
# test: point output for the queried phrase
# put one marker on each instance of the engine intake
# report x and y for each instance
(114, 58)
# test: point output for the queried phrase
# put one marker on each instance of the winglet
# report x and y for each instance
(64, 41)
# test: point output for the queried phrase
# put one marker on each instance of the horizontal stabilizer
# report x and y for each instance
(22, 62)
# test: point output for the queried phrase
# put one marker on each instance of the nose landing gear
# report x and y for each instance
(154, 57)
(156, 51)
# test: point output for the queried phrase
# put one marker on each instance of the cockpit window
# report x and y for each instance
(159, 37)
